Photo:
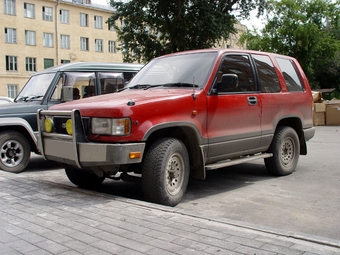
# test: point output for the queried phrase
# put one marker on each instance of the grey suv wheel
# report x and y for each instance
(14, 152)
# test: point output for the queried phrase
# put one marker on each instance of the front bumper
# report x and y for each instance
(76, 150)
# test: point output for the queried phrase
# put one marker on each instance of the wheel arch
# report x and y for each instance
(189, 135)
(296, 124)
(22, 128)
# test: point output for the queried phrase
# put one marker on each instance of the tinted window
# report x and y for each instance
(268, 79)
(290, 75)
(239, 65)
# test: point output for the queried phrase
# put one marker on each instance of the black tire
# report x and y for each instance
(165, 172)
(83, 179)
(286, 151)
(15, 151)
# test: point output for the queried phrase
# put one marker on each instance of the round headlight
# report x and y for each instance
(48, 124)
(69, 126)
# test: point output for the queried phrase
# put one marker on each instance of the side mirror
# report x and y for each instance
(67, 94)
(228, 83)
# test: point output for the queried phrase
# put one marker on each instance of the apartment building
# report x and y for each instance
(37, 34)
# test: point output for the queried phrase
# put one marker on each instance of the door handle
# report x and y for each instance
(252, 101)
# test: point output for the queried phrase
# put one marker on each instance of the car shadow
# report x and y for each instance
(216, 182)
(38, 163)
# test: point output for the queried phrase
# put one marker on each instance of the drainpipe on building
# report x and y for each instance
(56, 34)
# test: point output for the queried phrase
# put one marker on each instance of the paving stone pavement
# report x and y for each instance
(42, 213)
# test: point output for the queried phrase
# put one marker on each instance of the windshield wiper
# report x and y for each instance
(145, 86)
(181, 84)
(27, 98)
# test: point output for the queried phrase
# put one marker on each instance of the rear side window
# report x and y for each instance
(290, 75)
(268, 80)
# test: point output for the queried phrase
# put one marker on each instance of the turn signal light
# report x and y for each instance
(136, 154)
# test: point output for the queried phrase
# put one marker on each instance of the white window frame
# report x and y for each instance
(47, 13)
(11, 63)
(12, 90)
(84, 43)
(64, 41)
(10, 35)
(31, 64)
(65, 16)
(112, 47)
(48, 40)
(30, 37)
(29, 10)
(84, 19)
(98, 22)
(9, 7)
(98, 45)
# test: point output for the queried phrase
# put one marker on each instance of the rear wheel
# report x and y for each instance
(15, 152)
(165, 172)
(83, 179)
(286, 150)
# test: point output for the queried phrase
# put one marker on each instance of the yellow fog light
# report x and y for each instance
(69, 126)
(48, 125)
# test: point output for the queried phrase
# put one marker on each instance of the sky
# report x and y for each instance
(253, 21)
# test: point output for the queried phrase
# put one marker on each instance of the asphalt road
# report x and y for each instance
(306, 201)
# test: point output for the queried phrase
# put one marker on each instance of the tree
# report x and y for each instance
(147, 29)
(305, 29)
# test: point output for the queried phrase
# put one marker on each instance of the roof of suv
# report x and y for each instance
(93, 66)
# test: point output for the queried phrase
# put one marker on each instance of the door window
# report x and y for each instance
(238, 65)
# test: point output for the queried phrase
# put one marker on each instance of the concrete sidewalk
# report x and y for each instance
(42, 213)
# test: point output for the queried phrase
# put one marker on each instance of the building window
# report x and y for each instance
(64, 16)
(84, 43)
(12, 90)
(98, 45)
(11, 63)
(84, 20)
(10, 35)
(29, 37)
(64, 41)
(29, 11)
(65, 61)
(47, 13)
(110, 26)
(9, 7)
(98, 22)
(48, 62)
(31, 65)
(48, 40)
(112, 47)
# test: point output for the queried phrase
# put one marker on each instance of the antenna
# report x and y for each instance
(193, 88)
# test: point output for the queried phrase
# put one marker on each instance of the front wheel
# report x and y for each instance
(165, 172)
(286, 150)
(15, 151)
(83, 179)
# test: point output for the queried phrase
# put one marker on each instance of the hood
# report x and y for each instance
(126, 99)
(21, 107)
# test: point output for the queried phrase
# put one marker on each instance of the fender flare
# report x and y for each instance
(19, 122)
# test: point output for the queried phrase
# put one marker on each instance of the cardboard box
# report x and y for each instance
(333, 112)
(319, 107)
(318, 118)
(316, 96)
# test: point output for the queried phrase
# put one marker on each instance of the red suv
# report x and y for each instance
(181, 115)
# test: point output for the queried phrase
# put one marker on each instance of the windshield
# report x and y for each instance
(176, 71)
(36, 87)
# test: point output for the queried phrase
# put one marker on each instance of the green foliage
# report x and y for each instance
(147, 29)
(305, 29)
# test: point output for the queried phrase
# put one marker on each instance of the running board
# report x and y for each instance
(231, 162)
